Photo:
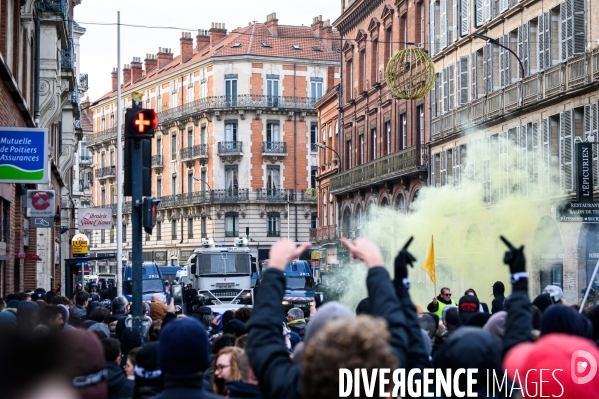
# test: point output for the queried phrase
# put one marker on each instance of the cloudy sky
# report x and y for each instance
(99, 44)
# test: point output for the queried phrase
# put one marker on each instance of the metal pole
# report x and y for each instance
(586, 294)
(288, 214)
(119, 176)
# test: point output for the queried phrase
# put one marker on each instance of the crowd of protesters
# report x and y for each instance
(86, 346)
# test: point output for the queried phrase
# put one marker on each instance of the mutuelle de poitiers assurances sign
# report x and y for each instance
(23, 155)
(582, 212)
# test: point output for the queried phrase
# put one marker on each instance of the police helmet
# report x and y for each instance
(107, 303)
(199, 300)
(94, 297)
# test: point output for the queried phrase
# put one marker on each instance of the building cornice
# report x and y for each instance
(355, 14)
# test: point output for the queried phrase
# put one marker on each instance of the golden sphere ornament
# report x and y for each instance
(410, 74)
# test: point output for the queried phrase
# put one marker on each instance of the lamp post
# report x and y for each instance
(336, 153)
(495, 41)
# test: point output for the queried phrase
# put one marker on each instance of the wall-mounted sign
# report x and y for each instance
(581, 212)
(23, 155)
(584, 172)
(80, 244)
(40, 204)
(95, 218)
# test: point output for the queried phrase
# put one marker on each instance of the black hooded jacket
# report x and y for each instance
(269, 357)
(118, 384)
(499, 298)
(241, 390)
(184, 388)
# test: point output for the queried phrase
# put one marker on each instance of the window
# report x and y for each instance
(420, 113)
(112, 120)
(573, 28)
(422, 25)
(231, 90)
(111, 234)
(174, 229)
(388, 136)
(435, 27)
(314, 220)
(189, 228)
(348, 155)
(159, 230)
(403, 29)
(124, 232)
(204, 228)
(203, 135)
(158, 146)
(158, 102)
(190, 88)
(190, 183)
(204, 178)
(103, 160)
(190, 137)
(273, 179)
(231, 224)
(173, 146)
(363, 78)
(315, 89)
(148, 237)
(374, 67)
(401, 205)
(174, 97)
(478, 88)
(272, 132)
(350, 79)
(173, 185)
(449, 88)
(389, 46)
(324, 209)
(103, 123)
(112, 157)
(103, 196)
(463, 72)
(272, 90)
(231, 183)
(373, 139)
(273, 224)
(204, 88)
(362, 149)
(524, 47)
(231, 131)
(313, 137)
(403, 126)
(313, 176)
(158, 188)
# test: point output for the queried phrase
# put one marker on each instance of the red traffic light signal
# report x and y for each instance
(140, 123)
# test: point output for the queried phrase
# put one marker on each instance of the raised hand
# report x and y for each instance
(402, 260)
(365, 250)
(284, 251)
(514, 257)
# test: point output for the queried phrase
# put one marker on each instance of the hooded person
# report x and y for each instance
(157, 311)
(496, 326)
(542, 302)
(183, 365)
(296, 321)
(235, 327)
(566, 320)
(498, 297)
(27, 315)
(525, 362)
(88, 360)
(468, 307)
(149, 380)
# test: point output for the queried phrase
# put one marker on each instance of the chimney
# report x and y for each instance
(135, 69)
(151, 62)
(126, 74)
(327, 36)
(164, 56)
(217, 32)
(115, 78)
(186, 46)
(272, 23)
(202, 39)
(317, 25)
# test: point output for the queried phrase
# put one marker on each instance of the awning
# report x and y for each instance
(23, 255)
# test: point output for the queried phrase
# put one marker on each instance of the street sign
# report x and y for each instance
(42, 223)
(79, 244)
(23, 155)
(94, 218)
(40, 204)
(578, 212)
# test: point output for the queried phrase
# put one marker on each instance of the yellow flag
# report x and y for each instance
(429, 264)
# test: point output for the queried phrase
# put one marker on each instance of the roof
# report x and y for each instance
(86, 120)
(251, 38)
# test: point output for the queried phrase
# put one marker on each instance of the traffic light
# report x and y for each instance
(148, 210)
(140, 123)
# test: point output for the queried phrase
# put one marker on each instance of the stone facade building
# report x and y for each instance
(234, 148)
(526, 124)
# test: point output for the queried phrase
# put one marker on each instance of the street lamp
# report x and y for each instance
(495, 41)
(336, 153)
(202, 180)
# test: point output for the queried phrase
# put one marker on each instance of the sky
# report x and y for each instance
(98, 46)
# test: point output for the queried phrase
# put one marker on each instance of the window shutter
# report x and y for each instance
(545, 155)
(488, 10)
(502, 62)
(579, 26)
(431, 21)
(457, 165)
(443, 23)
(489, 72)
(523, 159)
(479, 17)
(433, 98)
(547, 39)
(566, 31)
(454, 23)
(503, 5)
(449, 167)
(443, 168)
(541, 42)
(464, 17)
(439, 84)
(526, 58)
(463, 82)
(445, 90)
(523, 46)
(485, 68)
(451, 70)
(474, 76)
(565, 150)
(533, 159)
(433, 171)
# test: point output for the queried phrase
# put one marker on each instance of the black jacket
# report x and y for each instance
(118, 384)
(241, 390)
(499, 297)
(184, 388)
(518, 324)
(269, 357)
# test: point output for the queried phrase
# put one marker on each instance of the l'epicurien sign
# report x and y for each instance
(95, 218)
(584, 177)
(23, 155)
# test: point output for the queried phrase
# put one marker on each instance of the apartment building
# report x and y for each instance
(235, 145)
(536, 101)
(381, 139)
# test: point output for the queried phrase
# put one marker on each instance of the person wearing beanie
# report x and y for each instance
(542, 302)
(149, 380)
(12, 304)
(573, 373)
(498, 297)
(7, 319)
(566, 320)
(88, 361)
(235, 327)
(27, 315)
(469, 306)
(183, 351)
(496, 326)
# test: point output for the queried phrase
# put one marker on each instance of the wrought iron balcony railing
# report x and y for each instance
(102, 173)
(228, 147)
(273, 233)
(157, 161)
(231, 233)
(273, 194)
(166, 201)
(274, 147)
(194, 152)
(240, 194)
(67, 58)
(192, 198)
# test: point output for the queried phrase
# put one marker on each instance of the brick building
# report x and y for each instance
(234, 148)
(481, 99)
(382, 140)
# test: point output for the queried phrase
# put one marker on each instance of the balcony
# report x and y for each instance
(273, 194)
(192, 198)
(83, 81)
(324, 234)
(126, 207)
(554, 80)
(230, 151)
(389, 167)
(166, 201)
(531, 89)
(577, 71)
(157, 162)
(67, 58)
(511, 97)
(231, 233)
(100, 137)
(274, 151)
(273, 233)
(233, 195)
(190, 154)
(105, 172)
(85, 160)
(241, 101)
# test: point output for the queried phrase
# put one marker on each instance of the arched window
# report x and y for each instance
(273, 224)
(324, 209)
(359, 221)
(370, 211)
(232, 224)
(401, 205)
(346, 223)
